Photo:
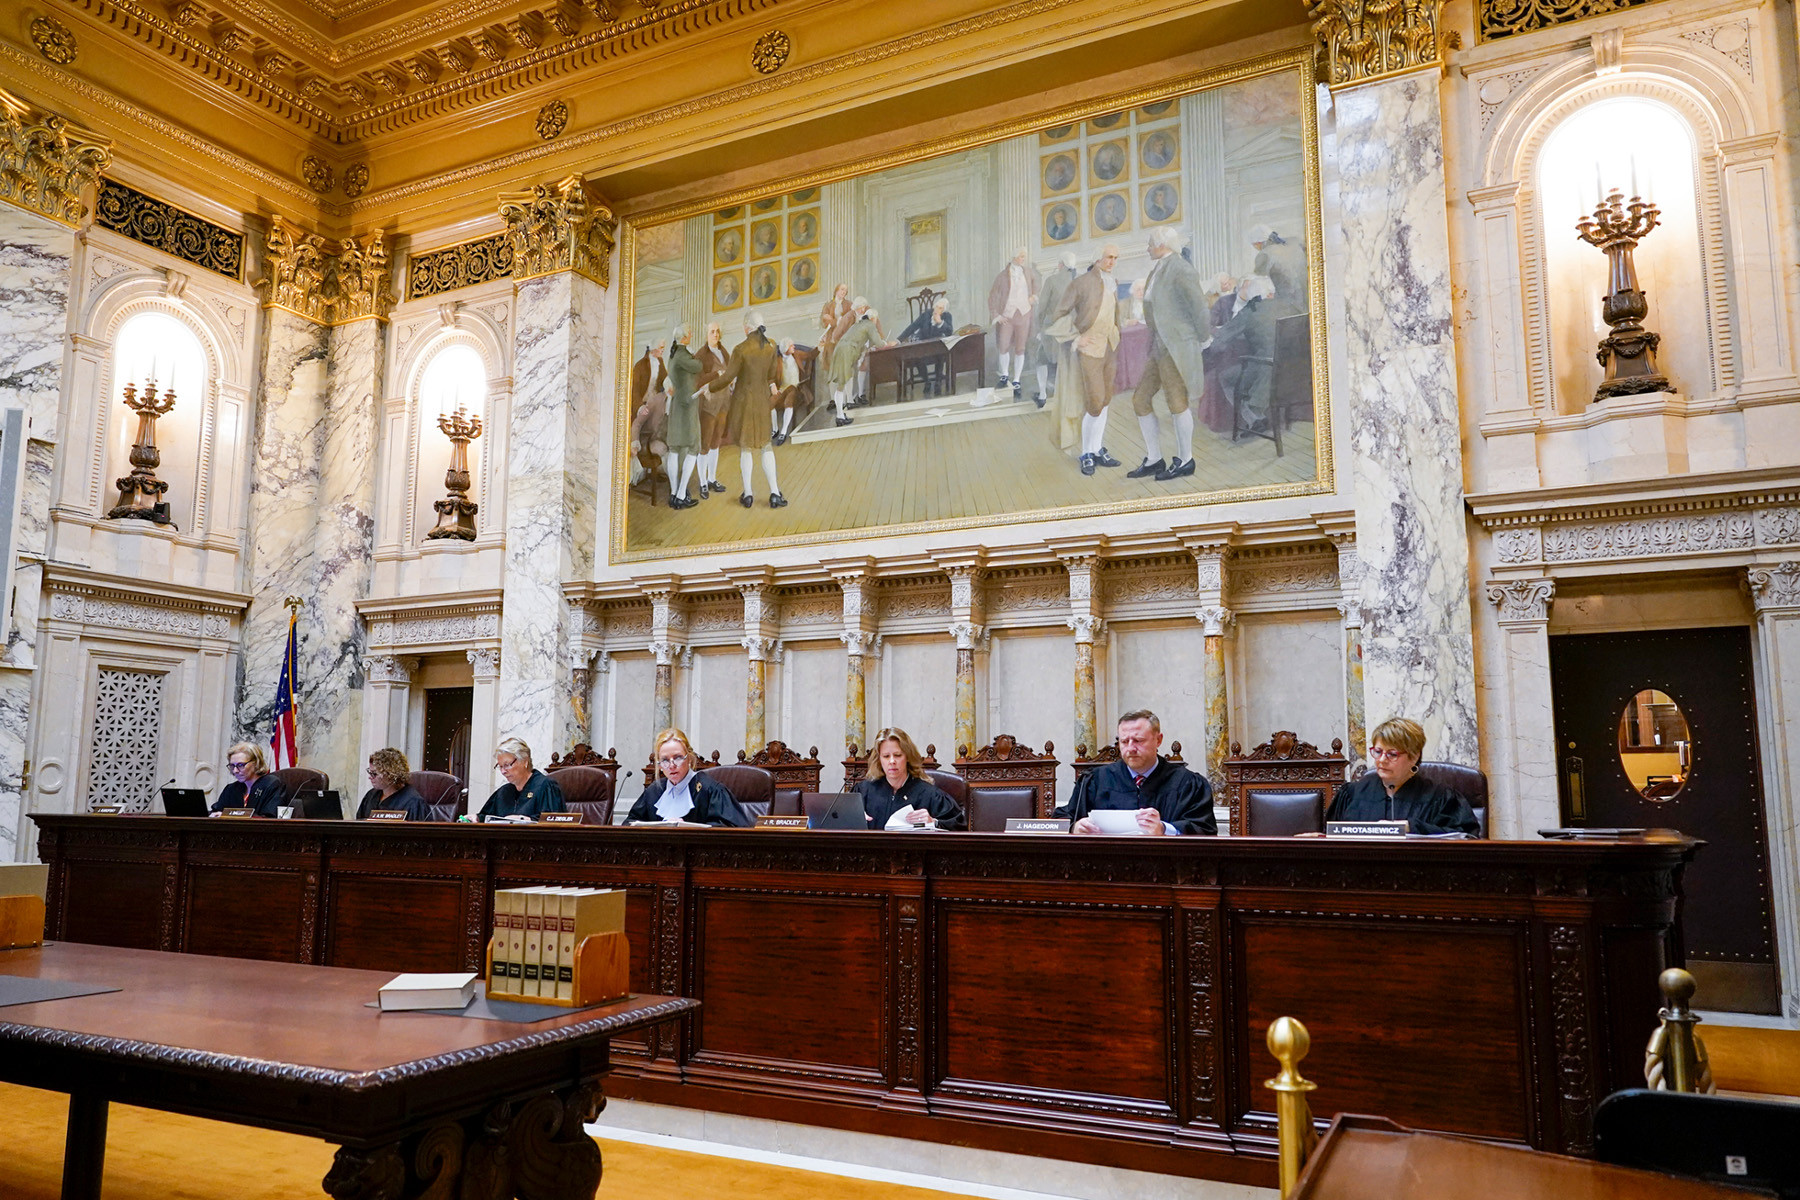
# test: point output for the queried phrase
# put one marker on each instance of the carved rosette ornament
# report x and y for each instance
(53, 40)
(1360, 40)
(552, 119)
(555, 227)
(1523, 600)
(356, 179)
(770, 52)
(315, 172)
(47, 165)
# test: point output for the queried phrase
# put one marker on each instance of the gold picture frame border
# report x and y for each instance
(1324, 481)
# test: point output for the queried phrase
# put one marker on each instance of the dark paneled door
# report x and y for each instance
(447, 715)
(1659, 730)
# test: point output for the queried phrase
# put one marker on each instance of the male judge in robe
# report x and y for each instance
(753, 375)
(1010, 301)
(1178, 314)
(684, 794)
(1167, 797)
(1088, 315)
(1395, 791)
(526, 792)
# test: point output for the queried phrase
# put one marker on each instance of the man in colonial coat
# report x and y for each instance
(1088, 315)
(1179, 315)
(1010, 301)
(1044, 347)
(753, 374)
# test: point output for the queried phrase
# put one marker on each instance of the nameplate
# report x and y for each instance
(111, 810)
(387, 814)
(237, 812)
(559, 818)
(1037, 825)
(1365, 829)
(786, 821)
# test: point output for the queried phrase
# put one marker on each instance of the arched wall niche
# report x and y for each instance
(424, 455)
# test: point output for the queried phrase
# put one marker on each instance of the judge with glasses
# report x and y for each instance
(1395, 791)
(682, 793)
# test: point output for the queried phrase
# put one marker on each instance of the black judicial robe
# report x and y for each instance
(1183, 798)
(713, 805)
(539, 795)
(1426, 807)
(407, 799)
(267, 794)
(881, 801)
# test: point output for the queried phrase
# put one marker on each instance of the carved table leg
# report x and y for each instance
(535, 1150)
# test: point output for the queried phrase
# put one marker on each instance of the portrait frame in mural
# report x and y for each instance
(1134, 196)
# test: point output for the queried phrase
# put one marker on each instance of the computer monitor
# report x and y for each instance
(184, 802)
(1751, 1143)
(834, 810)
(313, 804)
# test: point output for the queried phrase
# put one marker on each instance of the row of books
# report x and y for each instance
(536, 931)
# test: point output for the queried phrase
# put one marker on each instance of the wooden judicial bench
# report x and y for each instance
(1099, 1000)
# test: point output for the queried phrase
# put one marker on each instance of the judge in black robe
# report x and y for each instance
(1426, 807)
(881, 801)
(1183, 798)
(407, 800)
(253, 787)
(712, 804)
(538, 795)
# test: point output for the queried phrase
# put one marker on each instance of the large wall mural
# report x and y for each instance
(1110, 309)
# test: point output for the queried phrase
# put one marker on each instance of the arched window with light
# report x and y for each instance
(1639, 147)
(452, 408)
(156, 350)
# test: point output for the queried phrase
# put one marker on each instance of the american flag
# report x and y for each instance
(284, 745)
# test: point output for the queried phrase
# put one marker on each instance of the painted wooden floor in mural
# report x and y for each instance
(979, 470)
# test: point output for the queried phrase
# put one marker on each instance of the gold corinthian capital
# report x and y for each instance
(556, 227)
(1360, 40)
(48, 165)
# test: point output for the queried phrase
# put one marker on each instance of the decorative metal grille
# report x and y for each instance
(459, 266)
(128, 710)
(1504, 18)
(164, 227)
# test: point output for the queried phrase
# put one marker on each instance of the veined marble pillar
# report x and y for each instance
(668, 630)
(581, 688)
(484, 717)
(1775, 591)
(1214, 619)
(1534, 802)
(856, 716)
(855, 579)
(968, 625)
(42, 201)
(967, 636)
(562, 260)
(662, 712)
(1405, 436)
(1350, 574)
(1087, 716)
(761, 642)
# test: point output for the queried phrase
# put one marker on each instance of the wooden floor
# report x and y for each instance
(958, 470)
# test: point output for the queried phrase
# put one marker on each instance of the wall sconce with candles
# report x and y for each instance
(456, 512)
(140, 492)
(1628, 352)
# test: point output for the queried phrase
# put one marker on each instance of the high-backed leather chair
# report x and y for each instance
(302, 779)
(442, 792)
(1110, 754)
(583, 755)
(856, 764)
(998, 772)
(1274, 790)
(1468, 782)
(588, 791)
(752, 787)
(793, 774)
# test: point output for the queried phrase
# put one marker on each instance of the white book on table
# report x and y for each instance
(453, 990)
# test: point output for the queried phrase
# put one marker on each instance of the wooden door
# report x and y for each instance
(1658, 730)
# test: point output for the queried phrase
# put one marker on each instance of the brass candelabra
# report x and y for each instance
(1629, 352)
(140, 492)
(456, 512)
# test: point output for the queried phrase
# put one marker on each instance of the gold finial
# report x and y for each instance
(1289, 1042)
(1675, 1060)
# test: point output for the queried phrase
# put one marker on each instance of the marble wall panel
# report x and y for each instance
(812, 698)
(1288, 672)
(629, 691)
(913, 687)
(714, 687)
(1158, 667)
(1405, 445)
(1031, 694)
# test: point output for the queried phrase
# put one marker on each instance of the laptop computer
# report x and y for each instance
(184, 802)
(315, 805)
(834, 810)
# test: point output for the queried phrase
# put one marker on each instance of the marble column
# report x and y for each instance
(1214, 619)
(856, 718)
(761, 643)
(581, 690)
(1081, 558)
(967, 637)
(386, 701)
(1775, 592)
(662, 708)
(1527, 798)
(668, 632)
(484, 720)
(42, 200)
(856, 580)
(968, 625)
(1399, 388)
(1350, 575)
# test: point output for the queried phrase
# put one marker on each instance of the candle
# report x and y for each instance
(1634, 183)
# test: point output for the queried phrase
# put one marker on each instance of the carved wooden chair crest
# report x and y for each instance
(856, 763)
(1110, 754)
(917, 306)
(783, 762)
(1007, 763)
(1282, 765)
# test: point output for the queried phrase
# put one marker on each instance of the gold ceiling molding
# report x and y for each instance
(174, 231)
(47, 164)
(306, 278)
(1362, 40)
(54, 40)
(521, 161)
(1505, 18)
(770, 52)
(555, 227)
(465, 264)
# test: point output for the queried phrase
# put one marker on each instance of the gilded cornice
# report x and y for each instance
(1360, 40)
(555, 227)
(331, 288)
(47, 164)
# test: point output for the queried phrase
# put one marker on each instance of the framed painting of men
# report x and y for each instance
(1110, 308)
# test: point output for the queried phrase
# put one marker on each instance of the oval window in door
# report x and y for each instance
(1654, 746)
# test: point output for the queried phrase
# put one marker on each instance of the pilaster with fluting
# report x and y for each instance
(1775, 598)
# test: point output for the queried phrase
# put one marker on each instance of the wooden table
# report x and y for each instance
(413, 1100)
(1097, 999)
(887, 364)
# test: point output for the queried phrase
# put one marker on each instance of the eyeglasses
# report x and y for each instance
(1384, 752)
(239, 766)
(672, 762)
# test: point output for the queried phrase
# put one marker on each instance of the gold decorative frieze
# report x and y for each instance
(47, 164)
(552, 119)
(555, 227)
(460, 266)
(164, 227)
(53, 39)
(770, 52)
(316, 173)
(1504, 18)
(1361, 40)
(309, 279)
(356, 179)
